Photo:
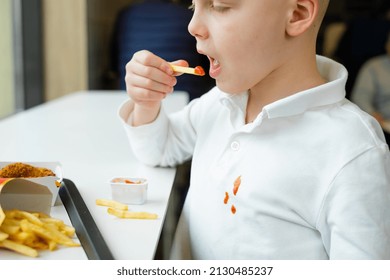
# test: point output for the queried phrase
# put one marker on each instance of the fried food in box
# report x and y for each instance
(26, 233)
(23, 170)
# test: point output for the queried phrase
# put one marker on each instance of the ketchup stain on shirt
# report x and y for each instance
(236, 186)
(226, 199)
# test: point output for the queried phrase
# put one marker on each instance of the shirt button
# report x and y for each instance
(235, 146)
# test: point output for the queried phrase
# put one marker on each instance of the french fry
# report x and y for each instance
(111, 203)
(48, 220)
(23, 237)
(2, 215)
(20, 248)
(9, 229)
(24, 215)
(52, 245)
(60, 237)
(131, 215)
(26, 233)
(68, 230)
(37, 244)
(198, 70)
(3, 236)
(11, 222)
(48, 233)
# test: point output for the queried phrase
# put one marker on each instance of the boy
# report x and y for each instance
(283, 166)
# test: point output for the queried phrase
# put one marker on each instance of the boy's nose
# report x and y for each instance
(197, 28)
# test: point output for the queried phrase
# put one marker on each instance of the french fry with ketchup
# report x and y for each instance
(198, 70)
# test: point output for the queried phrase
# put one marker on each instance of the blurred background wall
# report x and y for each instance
(65, 47)
(6, 66)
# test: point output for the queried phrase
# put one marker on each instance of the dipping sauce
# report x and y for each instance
(129, 190)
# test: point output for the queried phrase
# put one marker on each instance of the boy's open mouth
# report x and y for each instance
(215, 67)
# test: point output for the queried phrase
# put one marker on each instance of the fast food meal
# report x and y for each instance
(23, 170)
(121, 211)
(27, 233)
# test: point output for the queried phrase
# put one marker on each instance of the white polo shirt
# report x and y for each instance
(308, 179)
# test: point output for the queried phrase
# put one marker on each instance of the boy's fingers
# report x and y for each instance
(152, 85)
(180, 62)
(146, 64)
(141, 97)
(147, 58)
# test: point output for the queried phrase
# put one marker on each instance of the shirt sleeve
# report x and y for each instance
(167, 141)
(355, 217)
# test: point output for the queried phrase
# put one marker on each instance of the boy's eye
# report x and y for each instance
(218, 8)
(212, 6)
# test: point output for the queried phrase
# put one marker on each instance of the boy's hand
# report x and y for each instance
(149, 79)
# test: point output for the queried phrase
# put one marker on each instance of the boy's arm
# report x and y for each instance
(166, 141)
(355, 218)
(144, 115)
(147, 140)
(135, 115)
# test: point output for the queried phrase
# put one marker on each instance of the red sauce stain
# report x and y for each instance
(236, 185)
(226, 200)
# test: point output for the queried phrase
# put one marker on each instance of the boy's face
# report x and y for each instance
(243, 39)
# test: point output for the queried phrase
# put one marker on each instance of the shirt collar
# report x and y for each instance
(331, 92)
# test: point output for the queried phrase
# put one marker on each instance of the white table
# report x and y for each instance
(82, 131)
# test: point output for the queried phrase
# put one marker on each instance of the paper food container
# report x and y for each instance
(24, 195)
(52, 183)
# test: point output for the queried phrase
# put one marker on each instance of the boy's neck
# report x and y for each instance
(284, 82)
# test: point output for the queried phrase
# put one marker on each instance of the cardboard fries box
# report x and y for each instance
(25, 195)
(52, 183)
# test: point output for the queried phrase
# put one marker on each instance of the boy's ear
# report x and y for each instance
(303, 16)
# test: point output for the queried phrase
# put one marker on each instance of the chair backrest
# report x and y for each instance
(161, 27)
